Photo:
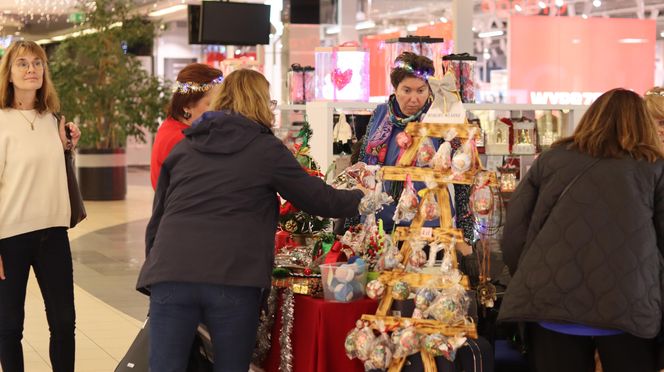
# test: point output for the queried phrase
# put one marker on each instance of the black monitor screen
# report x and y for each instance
(230, 23)
(194, 23)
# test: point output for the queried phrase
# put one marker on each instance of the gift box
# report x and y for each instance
(463, 67)
(342, 73)
(433, 48)
(301, 84)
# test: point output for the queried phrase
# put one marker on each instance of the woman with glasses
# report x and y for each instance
(34, 206)
(191, 98)
(210, 241)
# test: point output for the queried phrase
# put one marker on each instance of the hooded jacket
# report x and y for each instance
(215, 210)
(594, 256)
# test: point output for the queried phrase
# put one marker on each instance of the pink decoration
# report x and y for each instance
(341, 79)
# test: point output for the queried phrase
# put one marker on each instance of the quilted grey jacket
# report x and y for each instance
(595, 256)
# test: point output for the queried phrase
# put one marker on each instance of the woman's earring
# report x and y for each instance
(187, 115)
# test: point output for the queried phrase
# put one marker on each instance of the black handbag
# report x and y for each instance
(78, 212)
(136, 359)
(76, 205)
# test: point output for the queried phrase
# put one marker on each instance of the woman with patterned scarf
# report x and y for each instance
(412, 98)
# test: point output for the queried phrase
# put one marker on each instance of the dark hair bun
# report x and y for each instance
(418, 63)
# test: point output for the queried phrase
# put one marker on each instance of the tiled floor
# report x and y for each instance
(108, 251)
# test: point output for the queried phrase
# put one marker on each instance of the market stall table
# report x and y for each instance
(319, 331)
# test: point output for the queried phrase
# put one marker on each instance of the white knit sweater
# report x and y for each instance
(33, 179)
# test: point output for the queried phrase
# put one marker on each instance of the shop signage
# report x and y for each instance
(503, 8)
(563, 98)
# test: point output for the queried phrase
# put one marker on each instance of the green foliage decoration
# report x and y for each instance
(106, 91)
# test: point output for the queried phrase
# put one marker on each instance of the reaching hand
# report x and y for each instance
(2, 270)
(75, 134)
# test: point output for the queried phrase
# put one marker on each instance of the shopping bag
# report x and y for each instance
(136, 358)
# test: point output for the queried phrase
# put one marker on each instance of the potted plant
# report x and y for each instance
(107, 91)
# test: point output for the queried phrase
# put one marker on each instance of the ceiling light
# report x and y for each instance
(59, 38)
(444, 19)
(541, 4)
(560, 3)
(518, 8)
(411, 28)
(632, 41)
(661, 34)
(365, 25)
(491, 33)
(597, 3)
(43, 41)
(169, 10)
(584, 16)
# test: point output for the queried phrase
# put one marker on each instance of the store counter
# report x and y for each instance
(319, 332)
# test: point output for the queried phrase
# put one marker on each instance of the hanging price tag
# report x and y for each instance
(426, 232)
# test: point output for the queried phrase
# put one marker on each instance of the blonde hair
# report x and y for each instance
(245, 92)
(615, 125)
(47, 98)
(655, 103)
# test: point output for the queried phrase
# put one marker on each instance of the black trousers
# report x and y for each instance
(555, 352)
(48, 253)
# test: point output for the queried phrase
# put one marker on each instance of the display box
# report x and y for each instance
(524, 137)
(301, 84)
(463, 67)
(342, 73)
(431, 47)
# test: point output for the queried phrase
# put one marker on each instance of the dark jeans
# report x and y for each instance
(229, 312)
(554, 352)
(47, 252)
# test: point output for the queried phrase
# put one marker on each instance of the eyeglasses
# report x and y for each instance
(23, 65)
(273, 104)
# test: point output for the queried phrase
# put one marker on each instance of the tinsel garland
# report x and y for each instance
(287, 314)
(264, 333)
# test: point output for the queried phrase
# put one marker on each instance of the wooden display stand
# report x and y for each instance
(444, 234)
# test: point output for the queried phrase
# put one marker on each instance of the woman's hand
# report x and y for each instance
(2, 270)
(464, 248)
(75, 134)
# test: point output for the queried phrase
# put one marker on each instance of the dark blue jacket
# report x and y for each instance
(215, 209)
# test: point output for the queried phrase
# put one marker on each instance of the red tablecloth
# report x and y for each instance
(319, 331)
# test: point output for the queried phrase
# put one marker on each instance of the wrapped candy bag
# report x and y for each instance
(424, 297)
(381, 350)
(434, 248)
(391, 258)
(373, 202)
(364, 174)
(375, 289)
(438, 345)
(425, 153)
(429, 207)
(450, 307)
(464, 157)
(442, 161)
(417, 257)
(407, 206)
(364, 342)
(350, 344)
(406, 341)
(400, 291)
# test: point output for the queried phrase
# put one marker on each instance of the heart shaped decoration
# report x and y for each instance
(341, 79)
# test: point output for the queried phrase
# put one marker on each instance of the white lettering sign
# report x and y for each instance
(563, 98)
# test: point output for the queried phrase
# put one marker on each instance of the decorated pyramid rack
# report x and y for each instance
(445, 234)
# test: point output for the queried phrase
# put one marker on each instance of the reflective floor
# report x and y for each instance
(108, 250)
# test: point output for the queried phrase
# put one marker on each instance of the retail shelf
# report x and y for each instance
(520, 107)
(292, 107)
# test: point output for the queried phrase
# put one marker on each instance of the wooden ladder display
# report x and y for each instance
(444, 234)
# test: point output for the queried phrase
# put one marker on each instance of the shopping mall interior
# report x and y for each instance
(528, 70)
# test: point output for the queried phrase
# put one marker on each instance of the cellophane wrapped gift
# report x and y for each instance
(301, 84)
(463, 66)
(431, 47)
(342, 73)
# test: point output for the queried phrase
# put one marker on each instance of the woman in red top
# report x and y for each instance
(190, 100)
